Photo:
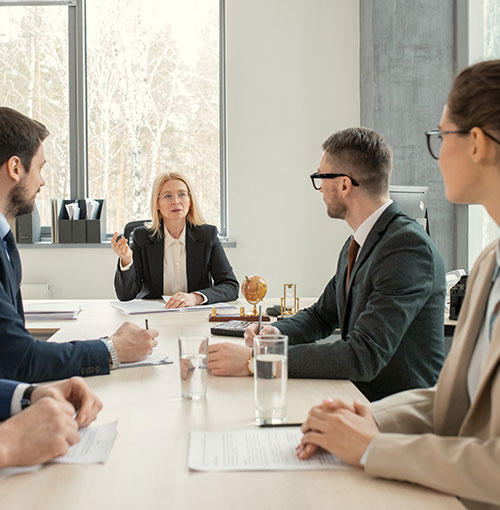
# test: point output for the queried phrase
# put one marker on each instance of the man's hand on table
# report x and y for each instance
(227, 359)
(133, 343)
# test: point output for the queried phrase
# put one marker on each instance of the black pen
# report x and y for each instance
(266, 425)
(147, 323)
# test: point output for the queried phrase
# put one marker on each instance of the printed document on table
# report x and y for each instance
(94, 446)
(137, 306)
(196, 308)
(51, 310)
(157, 358)
(254, 450)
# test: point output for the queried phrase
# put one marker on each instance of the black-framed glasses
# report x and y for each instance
(435, 139)
(317, 176)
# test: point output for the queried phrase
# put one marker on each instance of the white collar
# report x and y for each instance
(4, 226)
(169, 240)
(364, 229)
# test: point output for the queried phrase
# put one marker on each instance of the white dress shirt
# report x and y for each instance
(174, 264)
(17, 396)
(365, 228)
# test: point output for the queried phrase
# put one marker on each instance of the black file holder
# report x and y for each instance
(28, 229)
(72, 231)
(96, 229)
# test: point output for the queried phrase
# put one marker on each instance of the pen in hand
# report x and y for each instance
(260, 318)
(147, 323)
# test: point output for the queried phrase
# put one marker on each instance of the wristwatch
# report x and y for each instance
(251, 365)
(114, 361)
(26, 400)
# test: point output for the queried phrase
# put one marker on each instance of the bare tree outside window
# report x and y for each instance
(153, 102)
(34, 81)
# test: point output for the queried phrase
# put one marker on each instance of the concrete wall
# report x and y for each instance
(407, 58)
(292, 79)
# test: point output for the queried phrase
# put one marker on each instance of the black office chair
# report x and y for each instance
(128, 231)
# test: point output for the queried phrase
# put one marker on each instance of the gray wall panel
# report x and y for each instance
(407, 65)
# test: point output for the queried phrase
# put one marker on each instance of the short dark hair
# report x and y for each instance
(474, 100)
(364, 155)
(19, 136)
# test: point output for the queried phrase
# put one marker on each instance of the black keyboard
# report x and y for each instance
(231, 328)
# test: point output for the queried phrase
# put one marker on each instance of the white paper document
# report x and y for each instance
(195, 308)
(137, 306)
(254, 450)
(157, 358)
(94, 446)
(51, 310)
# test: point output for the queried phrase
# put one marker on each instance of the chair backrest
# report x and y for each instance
(128, 231)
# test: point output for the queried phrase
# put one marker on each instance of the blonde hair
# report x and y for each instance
(194, 215)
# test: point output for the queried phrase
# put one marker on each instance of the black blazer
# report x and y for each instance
(208, 270)
(391, 319)
(25, 359)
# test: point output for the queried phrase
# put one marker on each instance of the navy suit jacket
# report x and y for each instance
(391, 318)
(6, 390)
(208, 270)
(26, 359)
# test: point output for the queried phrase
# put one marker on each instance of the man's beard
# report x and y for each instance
(336, 209)
(18, 202)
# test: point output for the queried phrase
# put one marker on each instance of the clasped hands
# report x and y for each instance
(344, 429)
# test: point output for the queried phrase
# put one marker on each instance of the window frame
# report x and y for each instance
(77, 69)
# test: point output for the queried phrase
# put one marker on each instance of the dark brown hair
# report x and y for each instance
(364, 155)
(19, 136)
(474, 100)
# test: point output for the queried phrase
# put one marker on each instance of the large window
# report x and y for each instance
(484, 17)
(34, 80)
(137, 93)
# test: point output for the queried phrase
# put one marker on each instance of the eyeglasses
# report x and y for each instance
(170, 197)
(435, 139)
(317, 176)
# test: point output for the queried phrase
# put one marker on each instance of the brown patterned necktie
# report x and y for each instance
(352, 253)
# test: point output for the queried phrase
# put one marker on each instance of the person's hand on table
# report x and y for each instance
(77, 393)
(253, 329)
(44, 430)
(122, 249)
(133, 343)
(339, 428)
(182, 299)
(229, 359)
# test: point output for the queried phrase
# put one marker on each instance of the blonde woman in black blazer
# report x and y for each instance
(195, 269)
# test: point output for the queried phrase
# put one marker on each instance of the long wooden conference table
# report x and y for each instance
(147, 467)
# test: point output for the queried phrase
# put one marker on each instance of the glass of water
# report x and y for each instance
(193, 351)
(270, 377)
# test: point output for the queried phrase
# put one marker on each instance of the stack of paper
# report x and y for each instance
(137, 306)
(51, 311)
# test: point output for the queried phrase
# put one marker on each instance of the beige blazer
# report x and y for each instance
(435, 437)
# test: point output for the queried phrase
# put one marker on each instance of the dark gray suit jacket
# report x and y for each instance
(208, 270)
(391, 320)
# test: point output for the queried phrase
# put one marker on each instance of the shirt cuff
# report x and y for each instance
(17, 396)
(127, 267)
(363, 459)
(205, 299)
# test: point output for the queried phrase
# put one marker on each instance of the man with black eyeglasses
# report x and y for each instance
(387, 296)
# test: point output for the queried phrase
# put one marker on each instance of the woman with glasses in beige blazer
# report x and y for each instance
(446, 437)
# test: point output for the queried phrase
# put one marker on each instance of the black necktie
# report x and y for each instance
(14, 255)
(352, 253)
